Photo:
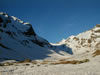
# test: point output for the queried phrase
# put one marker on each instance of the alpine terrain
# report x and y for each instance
(19, 41)
(24, 52)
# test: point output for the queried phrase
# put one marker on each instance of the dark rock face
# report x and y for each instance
(42, 44)
(97, 25)
(1, 30)
(1, 20)
(5, 22)
(30, 32)
(1, 45)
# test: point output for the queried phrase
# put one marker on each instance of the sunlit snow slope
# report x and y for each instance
(84, 42)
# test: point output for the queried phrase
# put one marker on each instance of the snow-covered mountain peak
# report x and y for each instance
(18, 37)
(16, 19)
(14, 25)
(5, 14)
(96, 29)
(85, 41)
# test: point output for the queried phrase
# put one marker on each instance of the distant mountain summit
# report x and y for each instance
(87, 41)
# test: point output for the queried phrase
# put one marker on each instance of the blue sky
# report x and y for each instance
(55, 19)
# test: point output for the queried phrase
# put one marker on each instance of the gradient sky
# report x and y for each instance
(55, 19)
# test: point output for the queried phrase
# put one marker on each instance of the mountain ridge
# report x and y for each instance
(19, 41)
(87, 40)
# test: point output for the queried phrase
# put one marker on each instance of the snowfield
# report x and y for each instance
(89, 68)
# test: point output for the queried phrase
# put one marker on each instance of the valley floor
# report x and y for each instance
(89, 68)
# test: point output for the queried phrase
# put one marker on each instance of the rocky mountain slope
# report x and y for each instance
(19, 41)
(85, 42)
